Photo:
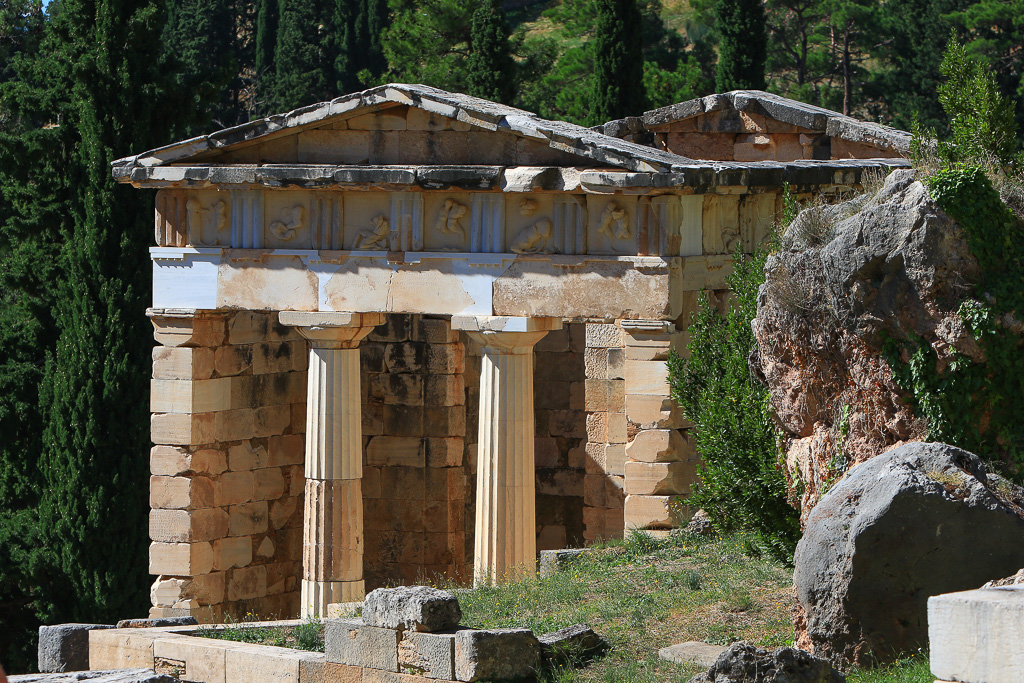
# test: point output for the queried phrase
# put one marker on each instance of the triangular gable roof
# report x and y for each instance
(785, 110)
(566, 137)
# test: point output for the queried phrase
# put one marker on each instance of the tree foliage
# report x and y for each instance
(742, 50)
(618, 61)
(491, 69)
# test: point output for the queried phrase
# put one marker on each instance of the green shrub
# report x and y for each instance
(741, 481)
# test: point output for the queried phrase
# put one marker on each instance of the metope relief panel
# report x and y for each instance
(447, 222)
(757, 214)
(206, 218)
(247, 219)
(667, 225)
(529, 223)
(613, 225)
(368, 224)
(487, 224)
(691, 227)
(721, 223)
(288, 219)
(569, 216)
(407, 220)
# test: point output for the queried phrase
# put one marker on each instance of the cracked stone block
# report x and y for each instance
(431, 655)
(65, 647)
(412, 608)
(496, 654)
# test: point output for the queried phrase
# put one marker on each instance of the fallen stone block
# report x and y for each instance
(552, 561)
(157, 622)
(570, 644)
(692, 652)
(111, 676)
(496, 654)
(431, 655)
(974, 636)
(65, 647)
(412, 608)
(745, 662)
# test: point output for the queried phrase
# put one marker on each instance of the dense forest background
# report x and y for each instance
(83, 82)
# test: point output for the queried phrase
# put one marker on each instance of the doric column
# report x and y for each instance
(506, 527)
(332, 552)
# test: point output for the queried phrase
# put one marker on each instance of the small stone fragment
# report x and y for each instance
(412, 608)
(552, 561)
(692, 652)
(496, 654)
(571, 644)
(745, 662)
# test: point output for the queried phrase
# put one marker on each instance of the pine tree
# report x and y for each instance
(618, 61)
(491, 69)
(742, 52)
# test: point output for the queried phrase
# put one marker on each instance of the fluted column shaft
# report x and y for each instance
(506, 526)
(332, 552)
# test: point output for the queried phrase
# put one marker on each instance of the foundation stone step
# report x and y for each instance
(974, 636)
(496, 654)
(431, 655)
(352, 642)
(65, 647)
(111, 676)
(692, 652)
(412, 608)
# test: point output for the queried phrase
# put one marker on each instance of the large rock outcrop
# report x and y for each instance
(891, 265)
(920, 520)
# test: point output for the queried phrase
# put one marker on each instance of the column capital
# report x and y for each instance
(506, 334)
(332, 329)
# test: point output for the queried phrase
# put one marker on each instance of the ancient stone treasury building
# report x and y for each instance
(411, 335)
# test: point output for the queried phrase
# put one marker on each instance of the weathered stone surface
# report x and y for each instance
(111, 676)
(65, 647)
(572, 643)
(496, 654)
(692, 652)
(975, 636)
(552, 561)
(743, 662)
(431, 655)
(897, 268)
(154, 623)
(899, 528)
(352, 642)
(412, 608)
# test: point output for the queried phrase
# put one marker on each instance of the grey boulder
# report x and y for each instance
(921, 520)
(412, 608)
(570, 644)
(745, 663)
(111, 676)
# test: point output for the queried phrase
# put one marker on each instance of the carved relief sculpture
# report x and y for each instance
(730, 240)
(448, 221)
(290, 221)
(615, 223)
(380, 236)
(535, 239)
(201, 222)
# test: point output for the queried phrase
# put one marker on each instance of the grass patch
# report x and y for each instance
(910, 670)
(307, 636)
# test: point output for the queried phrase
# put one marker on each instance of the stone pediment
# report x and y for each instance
(402, 125)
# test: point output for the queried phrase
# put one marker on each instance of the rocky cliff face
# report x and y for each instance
(849, 277)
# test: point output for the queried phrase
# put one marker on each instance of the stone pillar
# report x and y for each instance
(506, 527)
(332, 553)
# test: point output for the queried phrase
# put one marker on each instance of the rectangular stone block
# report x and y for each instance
(180, 559)
(234, 425)
(431, 655)
(660, 445)
(659, 478)
(606, 395)
(65, 647)
(615, 459)
(444, 451)
(270, 484)
(183, 526)
(286, 450)
(496, 654)
(120, 649)
(181, 362)
(974, 636)
(602, 336)
(183, 429)
(445, 390)
(231, 552)
(248, 518)
(407, 451)
(233, 488)
(245, 664)
(181, 492)
(647, 377)
(650, 512)
(169, 461)
(247, 583)
(232, 360)
(316, 669)
(654, 412)
(350, 641)
(189, 396)
(204, 657)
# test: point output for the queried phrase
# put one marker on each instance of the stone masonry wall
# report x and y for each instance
(414, 480)
(228, 402)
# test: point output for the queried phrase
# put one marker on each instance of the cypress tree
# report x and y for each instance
(268, 13)
(358, 26)
(490, 67)
(743, 51)
(303, 69)
(102, 59)
(618, 61)
(200, 36)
